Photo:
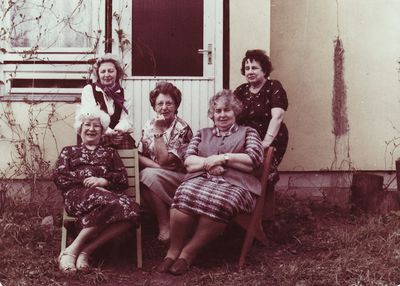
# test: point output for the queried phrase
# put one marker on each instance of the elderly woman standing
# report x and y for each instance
(264, 105)
(219, 184)
(92, 178)
(162, 146)
(108, 94)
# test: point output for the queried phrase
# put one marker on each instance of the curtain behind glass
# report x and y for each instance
(51, 24)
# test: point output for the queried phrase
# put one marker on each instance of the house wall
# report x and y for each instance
(249, 28)
(301, 35)
(33, 137)
(302, 50)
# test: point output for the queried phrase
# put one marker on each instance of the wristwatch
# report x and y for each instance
(226, 158)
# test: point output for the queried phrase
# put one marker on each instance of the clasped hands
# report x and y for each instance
(95, 182)
(214, 165)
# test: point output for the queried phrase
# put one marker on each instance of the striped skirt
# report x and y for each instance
(213, 197)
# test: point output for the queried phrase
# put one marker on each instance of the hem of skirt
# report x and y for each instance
(134, 220)
(198, 212)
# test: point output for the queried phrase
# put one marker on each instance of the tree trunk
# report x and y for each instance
(368, 195)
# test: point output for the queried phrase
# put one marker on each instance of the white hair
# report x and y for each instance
(84, 112)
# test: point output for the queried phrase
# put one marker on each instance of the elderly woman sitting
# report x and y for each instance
(92, 179)
(162, 146)
(219, 184)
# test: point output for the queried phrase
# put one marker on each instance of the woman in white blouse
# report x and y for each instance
(107, 93)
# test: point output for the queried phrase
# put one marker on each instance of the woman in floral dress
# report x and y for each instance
(92, 179)
(264, 105)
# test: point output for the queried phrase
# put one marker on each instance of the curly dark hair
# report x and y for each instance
(229, 98)
(259, 56)
(166, 88)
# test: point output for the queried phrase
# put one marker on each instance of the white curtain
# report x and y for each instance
(52, 24)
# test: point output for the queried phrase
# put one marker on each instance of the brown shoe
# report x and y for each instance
(164, 266)
(180, 267)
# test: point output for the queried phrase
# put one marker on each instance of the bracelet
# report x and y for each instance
(270, 134)
(158, 135)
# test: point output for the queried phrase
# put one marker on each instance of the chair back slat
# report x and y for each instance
(130, 158)
(268, 156)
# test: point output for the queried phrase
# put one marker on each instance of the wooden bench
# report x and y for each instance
(252, 223)
(131, 162)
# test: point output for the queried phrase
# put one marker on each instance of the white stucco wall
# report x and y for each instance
(249, 26)
(302, 49)
(51, 135)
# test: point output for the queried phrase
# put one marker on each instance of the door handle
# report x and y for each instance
(208, 52)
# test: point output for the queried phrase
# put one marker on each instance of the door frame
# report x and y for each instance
(213, 22)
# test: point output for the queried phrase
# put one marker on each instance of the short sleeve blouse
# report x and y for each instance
(257, 107)
(177, 137)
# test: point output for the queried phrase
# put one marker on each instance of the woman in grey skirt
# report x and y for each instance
(219, 184)
(162, 146)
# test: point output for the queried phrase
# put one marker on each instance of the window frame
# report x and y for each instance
(56, 63)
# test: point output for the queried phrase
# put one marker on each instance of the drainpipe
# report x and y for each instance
(108, 28)
(398, 173)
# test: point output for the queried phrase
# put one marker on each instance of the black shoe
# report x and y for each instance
(164, 266)
(180, 267)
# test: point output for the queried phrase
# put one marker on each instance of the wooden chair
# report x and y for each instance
(131, 162)
(252, 223)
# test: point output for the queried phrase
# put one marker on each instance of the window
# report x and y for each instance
(47, 47)
(49, 25)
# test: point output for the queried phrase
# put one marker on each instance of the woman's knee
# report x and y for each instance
(149, 174)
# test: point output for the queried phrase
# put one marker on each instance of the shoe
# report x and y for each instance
(82, 262)
(180, 267)
(164, 266)
(66, 262)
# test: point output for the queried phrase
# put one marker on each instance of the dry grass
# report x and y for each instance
(311, 244)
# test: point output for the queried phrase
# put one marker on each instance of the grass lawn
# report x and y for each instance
(310, 244)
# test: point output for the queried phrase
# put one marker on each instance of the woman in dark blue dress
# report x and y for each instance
(264, 105)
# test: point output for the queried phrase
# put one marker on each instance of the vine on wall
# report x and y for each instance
(31, 23)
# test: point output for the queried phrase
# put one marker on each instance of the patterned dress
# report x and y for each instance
(219, 197)
(177, 137)
(94, 206)
(257, 114)
(163, 182)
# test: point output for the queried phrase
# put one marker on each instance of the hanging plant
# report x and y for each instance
(339, 107)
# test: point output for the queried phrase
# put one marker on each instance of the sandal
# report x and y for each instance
(82, 262)
(66, 262)
(164, 237)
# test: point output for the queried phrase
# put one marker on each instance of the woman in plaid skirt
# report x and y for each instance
(219, 184)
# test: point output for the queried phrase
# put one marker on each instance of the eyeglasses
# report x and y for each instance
(167, 103)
